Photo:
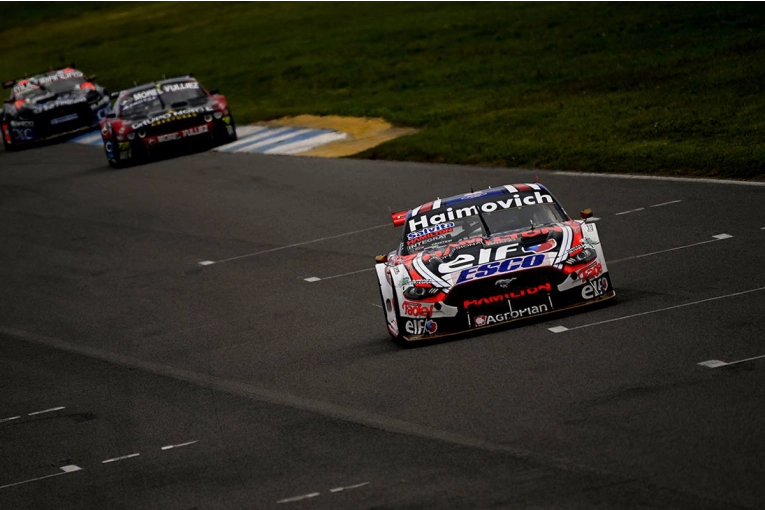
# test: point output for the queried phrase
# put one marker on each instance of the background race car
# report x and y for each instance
(488, 258)
(165, 114)
(50, 105)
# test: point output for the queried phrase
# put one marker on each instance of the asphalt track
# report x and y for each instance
(239, 384)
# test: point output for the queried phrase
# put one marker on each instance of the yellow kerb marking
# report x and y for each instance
(362, 133)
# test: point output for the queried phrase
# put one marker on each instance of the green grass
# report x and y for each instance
(607, 87)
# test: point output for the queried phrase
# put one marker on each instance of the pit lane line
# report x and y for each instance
(211, 262)
(563, 329)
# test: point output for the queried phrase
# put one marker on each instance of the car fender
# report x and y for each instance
(590, 234)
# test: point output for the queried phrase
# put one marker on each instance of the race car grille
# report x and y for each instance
(174, 125)
(505, 283)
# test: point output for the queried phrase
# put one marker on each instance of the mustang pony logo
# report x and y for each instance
(505, 283)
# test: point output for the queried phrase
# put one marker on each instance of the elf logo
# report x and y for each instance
(500, 267)
(421, 327)
(595, 288)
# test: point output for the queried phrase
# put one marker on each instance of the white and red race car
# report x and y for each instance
(488, 258)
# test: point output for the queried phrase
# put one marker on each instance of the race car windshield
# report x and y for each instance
(51, 86)
(191, 96)
(443, 234)
(523, 218)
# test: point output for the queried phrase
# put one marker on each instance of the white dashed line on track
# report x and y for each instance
(375, 304)
(716, 363)
(10, 419)
(116, 459)
(171, 446)
(665, 203)
(349, 487)
(630, 211)
(210, 262)
(298, 498)
(71, 468)
(658, 178)
(561, 329)
(715, 238)
(317, 279)
(46, 411)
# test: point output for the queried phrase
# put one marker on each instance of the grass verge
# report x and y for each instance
(607, 87)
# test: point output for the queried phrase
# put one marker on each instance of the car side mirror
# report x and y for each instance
(114, 95)
(214, 92)
(381, 259)
(587, 213)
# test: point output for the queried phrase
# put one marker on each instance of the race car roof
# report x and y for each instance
(165, 81)
(399, 218)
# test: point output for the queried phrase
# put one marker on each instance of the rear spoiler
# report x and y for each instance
(399, 218)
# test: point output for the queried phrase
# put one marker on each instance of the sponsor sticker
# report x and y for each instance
(175, 87)
(592, 270)
(500, 267)
(517, 294)
(595, 288)
(488, 320)
(65, 118)
(452, 213)
(421, 327)
(417, 309)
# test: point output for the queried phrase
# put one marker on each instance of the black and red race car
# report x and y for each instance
(51, 104)
(158, 116)
(488, 258)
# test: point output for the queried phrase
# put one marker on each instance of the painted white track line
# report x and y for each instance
(298, 498)
(349, 487)
(630, 211)
(116, 459)
(317, 279)
(715, 238)
(665, 203)
(716, 363)
(71, 468)
(658, 178)
(561, 329)
(171, 446)
(10, 419)
(211, 262)
(718, 237)
(46, 411)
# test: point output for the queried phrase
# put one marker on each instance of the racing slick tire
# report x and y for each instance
(10, 147)
(221, 136)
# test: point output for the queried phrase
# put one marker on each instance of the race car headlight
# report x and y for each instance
(218, 115)
(141, 133)
(208, 118)
(586, 255)
(131, 136)
(420, 292)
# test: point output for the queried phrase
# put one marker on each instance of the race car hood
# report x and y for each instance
(445, 266)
